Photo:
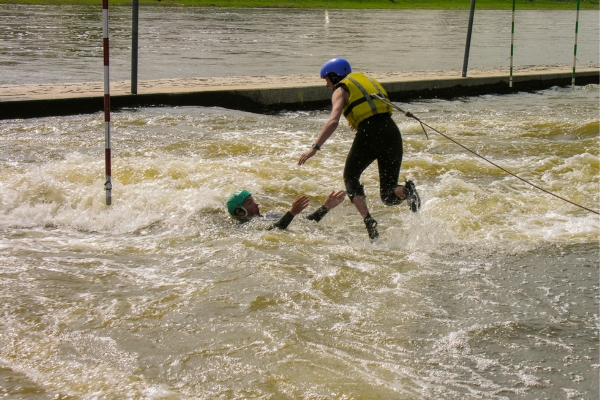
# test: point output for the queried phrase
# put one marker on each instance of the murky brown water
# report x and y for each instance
(491, 291)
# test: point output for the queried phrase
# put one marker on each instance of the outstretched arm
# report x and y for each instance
(332, 201)
(338, 100)
(297, 207)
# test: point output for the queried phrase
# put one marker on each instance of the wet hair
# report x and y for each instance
(335, 78)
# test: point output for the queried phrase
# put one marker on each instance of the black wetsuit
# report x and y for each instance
(288, 217)
(377, 138)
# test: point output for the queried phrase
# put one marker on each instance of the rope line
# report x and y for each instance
(423, 125)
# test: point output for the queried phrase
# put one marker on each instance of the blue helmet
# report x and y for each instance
(338, 66)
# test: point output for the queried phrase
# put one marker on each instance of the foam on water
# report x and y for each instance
(489, 292)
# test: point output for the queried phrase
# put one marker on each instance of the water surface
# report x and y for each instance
(491, 291)
(54, 44)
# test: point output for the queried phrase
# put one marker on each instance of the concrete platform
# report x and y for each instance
(266, 94)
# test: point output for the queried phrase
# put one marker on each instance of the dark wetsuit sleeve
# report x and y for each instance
(319, 214)
(283, 221)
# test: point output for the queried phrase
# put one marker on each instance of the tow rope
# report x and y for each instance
(423, 125)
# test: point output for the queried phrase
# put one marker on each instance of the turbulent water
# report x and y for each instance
(56, 44)
(490, 292)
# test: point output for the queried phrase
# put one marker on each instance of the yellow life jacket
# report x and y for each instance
(360, 104)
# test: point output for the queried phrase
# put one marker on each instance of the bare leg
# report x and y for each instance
(399, 192)
(360, 202)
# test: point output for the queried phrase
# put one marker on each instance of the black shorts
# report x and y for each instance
(377, 138)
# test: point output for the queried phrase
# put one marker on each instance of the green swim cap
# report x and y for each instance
(236, 200)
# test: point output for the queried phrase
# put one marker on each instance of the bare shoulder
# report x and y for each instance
(340, 96)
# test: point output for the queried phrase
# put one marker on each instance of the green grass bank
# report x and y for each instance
(331, 4)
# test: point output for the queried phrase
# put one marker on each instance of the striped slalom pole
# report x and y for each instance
(107, 184)
(575, 49)
(512, 47)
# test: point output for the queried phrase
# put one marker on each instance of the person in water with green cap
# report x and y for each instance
(242, 206)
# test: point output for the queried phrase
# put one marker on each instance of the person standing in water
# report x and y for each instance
(377, 138)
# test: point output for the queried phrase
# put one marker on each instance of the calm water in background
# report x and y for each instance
(490, 292)
(44, 44)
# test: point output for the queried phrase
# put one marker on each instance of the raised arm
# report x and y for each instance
(297, 207)
(332, 201)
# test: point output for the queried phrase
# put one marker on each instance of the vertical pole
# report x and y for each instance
(107, 184)
(512, 41)
(134, 45)
(468, 44)
(575, 49)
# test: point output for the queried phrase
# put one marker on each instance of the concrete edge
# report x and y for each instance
(269, 100)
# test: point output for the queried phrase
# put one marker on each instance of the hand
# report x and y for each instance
(334, 199)
(299, 204)
(306, 155)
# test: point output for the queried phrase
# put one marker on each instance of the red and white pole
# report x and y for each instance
(107, 184)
